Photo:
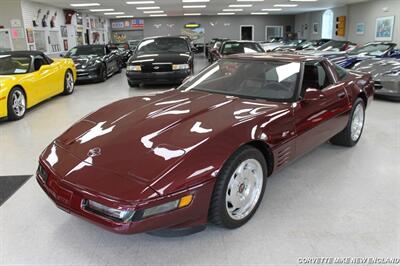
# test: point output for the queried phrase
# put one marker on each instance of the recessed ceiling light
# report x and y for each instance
(232, 9)
(250, 0)
(245, 5)
(101, 10)
(199, 6)
(140, 2)
(148, 7)
(85, 4)
(224, 14)
(192, 14)
(113, 13)
(286, 5)
(127, 16)
(259, 13)
(158, 15)
(153, 12)
(303, 0)
(271, 9)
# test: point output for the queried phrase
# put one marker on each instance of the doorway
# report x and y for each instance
(247, 32)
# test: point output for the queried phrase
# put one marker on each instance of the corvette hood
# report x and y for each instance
(84, 60)
(146, 136)
(380, 67)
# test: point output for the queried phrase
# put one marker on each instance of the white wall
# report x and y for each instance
(29, 12)
(306, 20)
(11, 10)
(367, 13)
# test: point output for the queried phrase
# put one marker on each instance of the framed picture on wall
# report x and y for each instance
(384, 28)
(64, 31)
(315, 28)
(360, 28)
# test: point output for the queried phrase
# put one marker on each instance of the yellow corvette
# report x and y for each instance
(29, 77)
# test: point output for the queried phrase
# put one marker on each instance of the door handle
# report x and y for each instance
(341, 95)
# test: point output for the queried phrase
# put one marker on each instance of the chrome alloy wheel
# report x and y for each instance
(69, 79)
(18, 103)
(244, 189)
(357, 122)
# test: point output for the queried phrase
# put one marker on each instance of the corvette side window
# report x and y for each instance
(315, 76)
(38, 62)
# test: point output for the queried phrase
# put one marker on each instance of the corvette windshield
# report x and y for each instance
(271, 80)
(163, 45)
(86, 50)
(239, 48)
(373, 49)
(11, 65)
(332, 46)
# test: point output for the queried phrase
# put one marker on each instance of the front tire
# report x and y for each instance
(239, 189)
(69, 83)
(103, 73)
(16, 104)
(350, 136)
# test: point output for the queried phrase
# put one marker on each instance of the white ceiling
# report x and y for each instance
(174, 7)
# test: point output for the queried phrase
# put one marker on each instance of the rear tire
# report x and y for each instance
(239, 188)
(16, 104)
(350, 136)
(103, 73)
(69, 83)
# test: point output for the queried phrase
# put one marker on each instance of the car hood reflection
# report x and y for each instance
(159, 130)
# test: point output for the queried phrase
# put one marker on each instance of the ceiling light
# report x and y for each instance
(271, 9)
(127, 16)
(259, 13)
(153, 12)
(148, 8)
(199, 6)
(85, 4)
(250, 0)
(192, 14)
(245, 5)
(101, 10)
(113, 13)
(195, 1)
(158, 15)
(285, 5)
(140, 2)
(303, 0)
(232, 9)
(224, 14)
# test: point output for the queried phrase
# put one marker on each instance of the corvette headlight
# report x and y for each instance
(114, 214)
(180, 67)
(169, 206)
(134, 68)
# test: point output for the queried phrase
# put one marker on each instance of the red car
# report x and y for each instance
(202, 152)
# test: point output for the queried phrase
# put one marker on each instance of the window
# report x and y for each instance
(341, 72)
(38, 62)
(315, 76)
(327, 24)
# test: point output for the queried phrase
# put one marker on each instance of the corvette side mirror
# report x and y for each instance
(312, 94)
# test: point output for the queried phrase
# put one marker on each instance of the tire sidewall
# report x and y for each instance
(12, 116)
(226, 175)
(359, 101)
(66, 92)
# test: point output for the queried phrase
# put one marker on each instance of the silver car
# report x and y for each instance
(386, 75)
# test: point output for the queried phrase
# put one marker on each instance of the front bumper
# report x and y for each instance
(389, 89)
(172, 77)
(87, 74)
(70, 199)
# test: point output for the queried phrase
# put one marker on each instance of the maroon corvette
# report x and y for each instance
(203, 152)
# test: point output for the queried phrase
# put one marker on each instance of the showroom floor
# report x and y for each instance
(334, 202)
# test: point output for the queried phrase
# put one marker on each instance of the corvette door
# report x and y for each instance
(322, 112)
(111, 59)
(45, 76)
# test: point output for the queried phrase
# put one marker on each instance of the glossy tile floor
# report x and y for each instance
(335, 202)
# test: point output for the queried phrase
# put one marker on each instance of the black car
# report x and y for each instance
(94, 62)
(160, 60)
(123, 51)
